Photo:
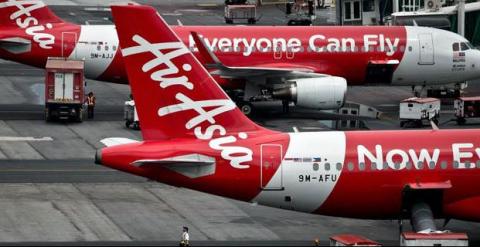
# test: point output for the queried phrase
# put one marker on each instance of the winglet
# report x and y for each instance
(207, 54)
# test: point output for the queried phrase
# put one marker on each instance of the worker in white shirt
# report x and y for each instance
(185, 239)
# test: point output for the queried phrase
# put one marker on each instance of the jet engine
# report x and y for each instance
(323, 93)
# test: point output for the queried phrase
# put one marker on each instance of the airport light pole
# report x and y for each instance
(461, 17)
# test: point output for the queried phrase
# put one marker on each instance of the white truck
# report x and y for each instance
(131, 116)
(415, 110)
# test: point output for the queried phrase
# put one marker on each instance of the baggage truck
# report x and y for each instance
(64, 89)
(415, 110)
(466, 107)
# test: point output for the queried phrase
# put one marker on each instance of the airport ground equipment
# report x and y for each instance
(300, 12)
(433, 239)
(351, 240)
(130, 115)
(235, 10)
(466, 107)
(415, 110)
(64, 89)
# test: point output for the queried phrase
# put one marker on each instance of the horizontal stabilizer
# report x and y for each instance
(190, 165)
(114, 141)
(15, 45)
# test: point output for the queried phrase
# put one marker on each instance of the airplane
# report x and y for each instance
(309, 66)
(194, 136)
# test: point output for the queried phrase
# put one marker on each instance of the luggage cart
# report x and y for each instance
(131, 116)
(466, 107)
(234, 12)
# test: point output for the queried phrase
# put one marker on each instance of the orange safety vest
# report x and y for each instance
(91, 100)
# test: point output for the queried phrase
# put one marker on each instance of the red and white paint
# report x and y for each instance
(420, 55)
(325, 172)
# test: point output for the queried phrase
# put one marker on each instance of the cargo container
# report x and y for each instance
(64, 89)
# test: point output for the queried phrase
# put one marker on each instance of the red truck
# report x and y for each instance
(64, 89)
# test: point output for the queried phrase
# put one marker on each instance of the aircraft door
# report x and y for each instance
(277, 52)
(69, 40)
(271, 171)
(426, 49)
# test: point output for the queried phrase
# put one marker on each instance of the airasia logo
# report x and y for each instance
(237, 155)
(24, 20)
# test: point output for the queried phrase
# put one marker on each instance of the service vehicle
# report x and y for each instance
(131, 116)
(415, 110)
(64, 89)
(466, 107)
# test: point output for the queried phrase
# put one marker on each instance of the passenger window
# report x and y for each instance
(373, 167)
(396, 165)
(361, 166)
(385, 165)
(350, 166)
(456, 47)
(456, 164)
(478, 164)
(464, 46)
(420, 165)
(315, 166)
(327, 166)
(339, 166)
(468, 164)
(444, 165)
(431, 165)
(99, 48)
(408, 165)
(114, 48)
(106, 48)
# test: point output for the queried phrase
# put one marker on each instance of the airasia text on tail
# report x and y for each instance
(23, 18)
(237, 155)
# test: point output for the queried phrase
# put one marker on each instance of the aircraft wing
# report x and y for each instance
(284, 71)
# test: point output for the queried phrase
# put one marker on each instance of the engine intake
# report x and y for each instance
(324, 93)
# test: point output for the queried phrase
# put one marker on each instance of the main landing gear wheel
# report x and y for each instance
(246, 108)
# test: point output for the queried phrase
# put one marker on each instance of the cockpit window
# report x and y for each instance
(470, 45)
(464, 46)
(456, 47)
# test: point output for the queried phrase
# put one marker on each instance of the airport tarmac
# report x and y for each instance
(50, 189)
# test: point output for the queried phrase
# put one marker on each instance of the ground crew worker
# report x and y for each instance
(185, 239)
(90, 104)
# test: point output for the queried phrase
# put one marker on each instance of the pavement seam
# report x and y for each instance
(176, 211)
(103, 212)
(28, 143)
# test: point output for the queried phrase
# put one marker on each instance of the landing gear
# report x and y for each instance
(286, 106)
(417, 93)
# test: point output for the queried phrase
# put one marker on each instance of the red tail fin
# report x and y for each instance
(25, 13)
(175, 95)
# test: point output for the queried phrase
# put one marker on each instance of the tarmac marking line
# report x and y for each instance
(22, 139)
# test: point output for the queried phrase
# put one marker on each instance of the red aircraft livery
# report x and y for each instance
(195, 137)
(306, 65)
